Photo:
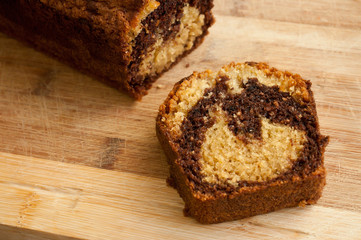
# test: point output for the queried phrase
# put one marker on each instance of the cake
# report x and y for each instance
(127, 44)
(242, 141)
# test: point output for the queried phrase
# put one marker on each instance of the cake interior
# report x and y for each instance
(226, 158)
(244, 125)
(164, 52)
(168, 32)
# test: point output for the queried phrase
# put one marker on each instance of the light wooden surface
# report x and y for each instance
(79, 160)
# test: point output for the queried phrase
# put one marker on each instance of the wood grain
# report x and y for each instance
(118, 205)
(338, 13)
(81, 160)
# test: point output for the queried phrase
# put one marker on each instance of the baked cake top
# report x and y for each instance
(125, 14)
(121, 21)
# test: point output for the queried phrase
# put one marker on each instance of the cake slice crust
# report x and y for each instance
(246, 132)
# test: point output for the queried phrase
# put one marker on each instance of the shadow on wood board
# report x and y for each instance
(14, 233)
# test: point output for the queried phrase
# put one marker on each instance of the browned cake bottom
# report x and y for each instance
(250, 201)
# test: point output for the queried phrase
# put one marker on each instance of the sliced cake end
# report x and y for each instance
(127, 44)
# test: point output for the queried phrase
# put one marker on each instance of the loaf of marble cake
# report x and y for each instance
(126, 44)
(242, 141)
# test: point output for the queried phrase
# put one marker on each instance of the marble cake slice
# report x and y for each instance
(126, 44)
(242, 141)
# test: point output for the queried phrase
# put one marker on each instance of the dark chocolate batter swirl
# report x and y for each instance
(244, 112)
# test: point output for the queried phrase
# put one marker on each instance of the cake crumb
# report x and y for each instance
(303, 203)
(187, 65)
(160, 86)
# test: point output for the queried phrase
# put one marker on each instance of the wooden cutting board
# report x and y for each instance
(80, 160)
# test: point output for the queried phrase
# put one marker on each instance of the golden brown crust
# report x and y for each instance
(116, 19)
(294, 80)
(83, 29)
(219, 206)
